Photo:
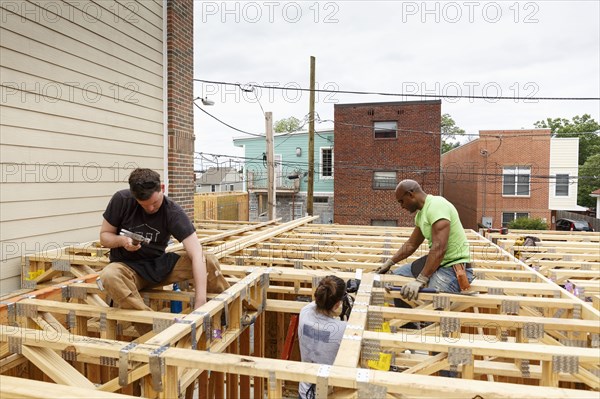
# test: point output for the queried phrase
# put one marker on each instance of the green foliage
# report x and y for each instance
(289, 125)
(589, 142)
(449, 132)
(589, 180)
(528, 224)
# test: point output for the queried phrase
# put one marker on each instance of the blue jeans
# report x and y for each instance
(444, 278)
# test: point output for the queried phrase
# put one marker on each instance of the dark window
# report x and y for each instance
(562, 186)
(385, 129)
(384, 222)
(508, 217)
(326, 162)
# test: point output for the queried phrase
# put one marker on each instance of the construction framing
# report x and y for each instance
(520, 335)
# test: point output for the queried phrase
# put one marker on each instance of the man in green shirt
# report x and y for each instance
(437, 221)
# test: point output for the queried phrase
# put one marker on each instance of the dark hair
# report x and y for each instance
(143, 183)
(330, 291)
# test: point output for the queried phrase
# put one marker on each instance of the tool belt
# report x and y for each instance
(461, 275)
(459, 269)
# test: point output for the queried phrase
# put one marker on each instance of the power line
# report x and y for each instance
(226, 124)
(403, 94)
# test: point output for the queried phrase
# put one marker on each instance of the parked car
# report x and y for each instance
(573, 225)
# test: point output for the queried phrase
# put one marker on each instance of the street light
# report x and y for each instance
(205, 101)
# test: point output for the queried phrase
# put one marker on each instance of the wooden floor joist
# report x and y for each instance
(519, 327)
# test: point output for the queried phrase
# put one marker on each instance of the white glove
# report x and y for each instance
(385, 267)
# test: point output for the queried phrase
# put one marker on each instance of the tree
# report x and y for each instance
(449, 132)
(589, 180)
(589, 141)
(289, 125)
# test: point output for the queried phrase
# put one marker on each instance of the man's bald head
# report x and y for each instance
(409, 185)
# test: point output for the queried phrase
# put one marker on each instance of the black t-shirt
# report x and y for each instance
(150, 261)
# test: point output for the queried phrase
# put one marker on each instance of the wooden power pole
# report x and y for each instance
(271, 199)
(311, 140)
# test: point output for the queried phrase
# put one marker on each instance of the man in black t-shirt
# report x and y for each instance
(145, 210)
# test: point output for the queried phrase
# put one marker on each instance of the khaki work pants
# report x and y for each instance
(123, 284)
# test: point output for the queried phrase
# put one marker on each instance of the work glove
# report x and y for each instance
(410, 291)
(385, 267)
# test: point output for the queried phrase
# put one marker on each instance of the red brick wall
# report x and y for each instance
(461, 178)
(180, 72)
(502, 148)
(414, 154)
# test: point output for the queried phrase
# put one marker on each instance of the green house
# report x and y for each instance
(291, 175)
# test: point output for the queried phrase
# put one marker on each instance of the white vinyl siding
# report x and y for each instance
(82, 105)
(564, 161)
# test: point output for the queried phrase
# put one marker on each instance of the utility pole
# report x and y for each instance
(311, 140)
(271, 200)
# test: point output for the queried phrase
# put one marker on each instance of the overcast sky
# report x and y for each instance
(482, 48)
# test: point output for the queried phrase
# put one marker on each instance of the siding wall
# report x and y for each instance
(81, 87)
(564, 159)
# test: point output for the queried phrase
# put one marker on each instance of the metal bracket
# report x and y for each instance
(69, 353)
(26, 310)
(159, 325)
(510, 307)
(577, 311)
(15, 344)
(61, 265)
(298, 264)
(192, 324)
(370, 349)
(156, 364)
(458, 357)
(29, 284)
(449, 325)
(307, 255)
(525, 371)
(479, 275)
(495, 291)
(374, 320)
(585, 266)
(377, 281)
(11, 313)
(504, 335)
(322, 379)
(108, 361)
(565, 364)
(124, 363)
(315, 282)
(533, 330)
(580, 343)
(367, 390)
(71, 319)
(377, 298)
(239, 261)
(441, 302)
(254, 252)
(595, 338)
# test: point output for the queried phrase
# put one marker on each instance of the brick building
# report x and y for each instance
(506, 174)
(180, 94)
(376, 146)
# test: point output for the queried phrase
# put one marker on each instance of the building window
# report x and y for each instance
(385, 129)
(231, 187)
(213, 188)
(384, 222)
(327, 163)
(508, 217)
(320, 200)
(516, 180)
(562, 186)
(384, 180)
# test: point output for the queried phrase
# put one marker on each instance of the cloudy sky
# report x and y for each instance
(503, 48)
